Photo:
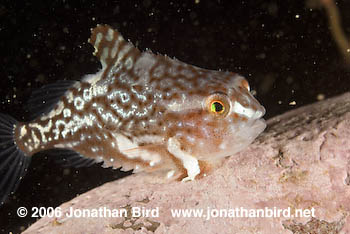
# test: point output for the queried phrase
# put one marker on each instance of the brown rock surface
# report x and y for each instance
(302, 161)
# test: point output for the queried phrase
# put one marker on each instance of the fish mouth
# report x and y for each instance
(259, 113)
(259, 125)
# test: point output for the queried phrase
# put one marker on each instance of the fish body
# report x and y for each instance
(141, 111)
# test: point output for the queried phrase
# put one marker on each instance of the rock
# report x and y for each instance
(302, 161)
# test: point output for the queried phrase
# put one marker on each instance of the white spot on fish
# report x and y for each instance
(87, 95)
(79, 103)
(241, 110)
(222, 146)
(132, 150)
(98, 40)
(56, 131)
(189, 162)
(60, 146)
(23, 131)
(124, 143)
(36, 140)
(110, 35)
(66, 113)
(42, 130)
(129, 63)
(104, 56)
(170, 174)
(70, 97)
(94, 149)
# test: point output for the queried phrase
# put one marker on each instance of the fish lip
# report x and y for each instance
(259, 124)
(260, 112)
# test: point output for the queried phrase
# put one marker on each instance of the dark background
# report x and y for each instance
(284, 48)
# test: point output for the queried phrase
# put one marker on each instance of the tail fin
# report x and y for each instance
(13, 162)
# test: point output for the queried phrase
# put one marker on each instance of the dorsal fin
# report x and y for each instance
(111, 48)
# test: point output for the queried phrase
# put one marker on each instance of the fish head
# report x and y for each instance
(216, 117)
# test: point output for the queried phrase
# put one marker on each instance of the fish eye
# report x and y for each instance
(218, 104)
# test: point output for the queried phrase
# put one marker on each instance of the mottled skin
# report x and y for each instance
(146, 111)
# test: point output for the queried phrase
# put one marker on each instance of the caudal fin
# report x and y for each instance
(13, 162)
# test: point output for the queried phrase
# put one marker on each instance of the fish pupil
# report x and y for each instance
(217, 107)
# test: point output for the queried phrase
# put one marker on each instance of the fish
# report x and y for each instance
(141, 111)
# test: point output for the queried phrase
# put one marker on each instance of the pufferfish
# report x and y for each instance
(141, 112)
